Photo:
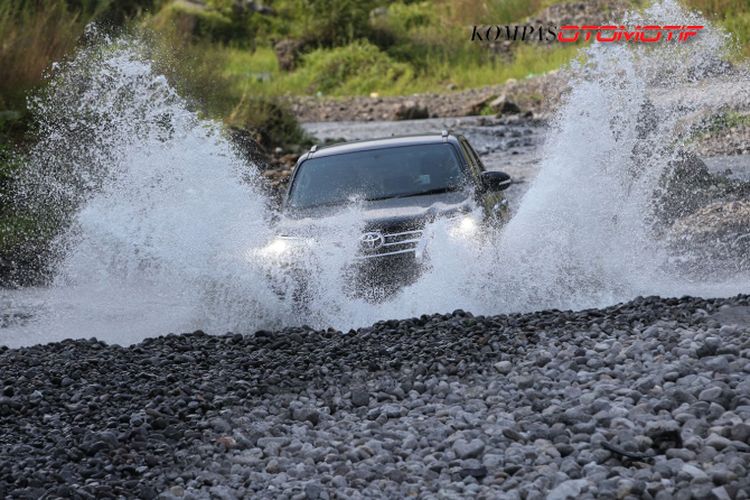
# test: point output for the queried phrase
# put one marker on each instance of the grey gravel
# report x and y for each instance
(648, 399)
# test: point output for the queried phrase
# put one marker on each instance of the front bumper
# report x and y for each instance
(377, 278)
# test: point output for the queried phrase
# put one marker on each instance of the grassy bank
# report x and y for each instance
(361, 68)
(404, 48)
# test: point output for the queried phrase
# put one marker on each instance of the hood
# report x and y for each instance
(412, 211)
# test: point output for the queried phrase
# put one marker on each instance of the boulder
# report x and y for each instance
(411, 110)
(688, 186)
(502, 106)
(478, 106)
(717, 232)
(247, 143)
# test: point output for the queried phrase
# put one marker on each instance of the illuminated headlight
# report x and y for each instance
(276, 247)
(282, 246)
(464, 226)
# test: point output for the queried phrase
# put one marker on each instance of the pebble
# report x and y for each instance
(503, 367)
(468, 449)
(418, 407)
(360, 397)
(568, 490)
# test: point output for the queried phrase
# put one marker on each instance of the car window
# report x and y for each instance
(376, 174)
(471, 158)
(474, 154)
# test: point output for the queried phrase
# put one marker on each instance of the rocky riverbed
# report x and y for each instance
(649, 399)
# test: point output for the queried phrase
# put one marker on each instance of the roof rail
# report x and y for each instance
(444, 135)
(314, 148)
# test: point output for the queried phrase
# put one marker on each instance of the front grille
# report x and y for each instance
(395, 243)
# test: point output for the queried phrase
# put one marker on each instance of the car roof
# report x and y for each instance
(384, 142)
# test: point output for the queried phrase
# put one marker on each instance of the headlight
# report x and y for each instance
(276, 247)
(282, 246)
(464, 226)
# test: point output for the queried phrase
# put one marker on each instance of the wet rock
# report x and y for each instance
(468, 449)
(717, 442)
(503, 106)
(709, 347)
(478, 106)
(741, 432)
(306, 414)
(411, 110)
(568, 490)
(472, 468)
(360, 397)
(694, 472)
(504, 367)
(313, 491)
(710, 394)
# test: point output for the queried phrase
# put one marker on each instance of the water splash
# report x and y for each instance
(170, 220)
(586, 233)
(165, 211)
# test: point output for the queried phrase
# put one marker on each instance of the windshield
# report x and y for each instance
(376, 174)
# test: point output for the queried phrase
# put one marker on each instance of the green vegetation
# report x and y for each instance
(719, 123)
(24, 234)
(361, 68)
(393, 48)
(221, 53)
(402, 48)
(733, 15)
(731, 119)
(32, 37)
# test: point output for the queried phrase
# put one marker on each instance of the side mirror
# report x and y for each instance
(495, 181)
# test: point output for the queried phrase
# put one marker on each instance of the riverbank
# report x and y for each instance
(534, 96)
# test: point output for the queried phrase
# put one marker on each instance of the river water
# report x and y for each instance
(171, 223)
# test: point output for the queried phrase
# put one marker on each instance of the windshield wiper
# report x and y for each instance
(419, 193)
(384, 197)
(427, 192)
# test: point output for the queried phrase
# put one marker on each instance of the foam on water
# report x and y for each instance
(171, 221)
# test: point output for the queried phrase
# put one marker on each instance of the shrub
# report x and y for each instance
(112, 12)
(33, 34)
(199, 22)
(415, 32)
(358, 68)
(404, 19)
(466, 12)
(328, 23)
(271, 121)
(197, 71)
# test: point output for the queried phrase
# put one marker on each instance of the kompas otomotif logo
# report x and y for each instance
(587, 33)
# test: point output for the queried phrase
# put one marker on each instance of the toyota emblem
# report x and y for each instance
(371, 241)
